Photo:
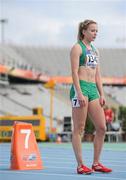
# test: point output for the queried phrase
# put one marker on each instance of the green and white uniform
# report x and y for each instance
(88, 58)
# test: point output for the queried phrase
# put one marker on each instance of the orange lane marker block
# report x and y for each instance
(25, 153)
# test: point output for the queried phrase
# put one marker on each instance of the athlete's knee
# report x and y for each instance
(101, 130)
(81, 130)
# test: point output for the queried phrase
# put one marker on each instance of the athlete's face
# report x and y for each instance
(91, 32)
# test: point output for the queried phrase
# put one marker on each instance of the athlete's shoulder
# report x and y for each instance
(76, 48)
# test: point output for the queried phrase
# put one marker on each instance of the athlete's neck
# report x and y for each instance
(87, 43)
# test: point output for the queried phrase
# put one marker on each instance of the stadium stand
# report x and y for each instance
(52, 56)
(9, 57)
(21, 99)
(117, 93)
(112, 58)
(29, 56)
(112, 62)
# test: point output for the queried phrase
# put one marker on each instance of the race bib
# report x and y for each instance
(92, 59)
(75, 102)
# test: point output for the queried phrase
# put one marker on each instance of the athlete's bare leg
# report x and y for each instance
(79, 116)
(97, 114)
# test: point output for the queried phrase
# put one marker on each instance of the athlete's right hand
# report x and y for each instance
(82, 100)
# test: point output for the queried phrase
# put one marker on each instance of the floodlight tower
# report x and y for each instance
(3, 22)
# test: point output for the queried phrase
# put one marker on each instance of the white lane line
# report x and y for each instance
(51, 162)
(65, 175)
(64, 167)
(72, 159)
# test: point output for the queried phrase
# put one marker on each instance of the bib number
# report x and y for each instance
(75, 102)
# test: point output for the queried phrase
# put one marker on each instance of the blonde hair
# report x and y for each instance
(83, 26)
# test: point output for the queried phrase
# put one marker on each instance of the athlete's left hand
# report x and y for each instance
(102, 100)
